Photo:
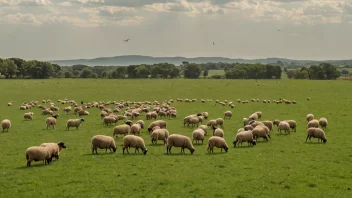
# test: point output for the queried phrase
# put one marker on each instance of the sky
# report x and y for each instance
(249, 29)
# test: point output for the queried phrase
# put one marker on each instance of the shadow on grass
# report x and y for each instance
(216, 153)
(282, 134)
(101, 153)
(32, 165)
(178, 154)
(242, 147)
(314, 143)
(156, 145)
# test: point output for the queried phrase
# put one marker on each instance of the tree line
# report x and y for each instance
(19, 68)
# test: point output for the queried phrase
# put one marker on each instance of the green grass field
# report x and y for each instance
(213, 72)
(285, 166)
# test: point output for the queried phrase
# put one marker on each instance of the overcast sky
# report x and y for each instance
(71, 29)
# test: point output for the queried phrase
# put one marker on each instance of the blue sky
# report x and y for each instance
(53, 29)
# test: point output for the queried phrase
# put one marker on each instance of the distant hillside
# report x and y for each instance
(136, 60)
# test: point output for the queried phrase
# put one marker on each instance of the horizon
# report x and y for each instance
(315, 30)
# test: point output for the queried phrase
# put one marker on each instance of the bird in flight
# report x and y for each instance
(126, 40)
(213, 43)
(279, 30)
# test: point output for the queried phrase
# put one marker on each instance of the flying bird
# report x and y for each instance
(126, 40)
(213, 43)
(279, 30)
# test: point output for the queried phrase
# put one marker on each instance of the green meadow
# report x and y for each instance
(285, 166)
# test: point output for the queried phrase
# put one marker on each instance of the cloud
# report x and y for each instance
(65, 3)
(20, 18)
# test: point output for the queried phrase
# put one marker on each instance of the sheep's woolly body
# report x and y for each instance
(244, 136)
(55, 148)
(310, 117)
(134, 142)
(159, 134)
(28, 116)
(205, 129)
(218, 132)
(220, 122)
(316, 133)
(198, 135)
(103, 142)
(38, 153)
(182, 141)
(74, 123)
(323, 122)
(136, 129)
(108, 120)
(313, 123)
(50, 121)
(160, 123)
(283, 125)
(123, 129)
(217, 142)
(5, 124)
(227, 114)
(245, 121)
(261, 131)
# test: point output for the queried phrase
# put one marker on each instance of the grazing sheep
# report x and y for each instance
(248, 128)
(101, 142)
(323, 122)
(254, 116)
(55, 116)
(261, 131)
(38, 153)
(122, 129)
(108, 120)
(255, 123)
(136, 129)
(160, 123)
(197, 135)
(141, 122)
(218, 142)
(50, 121)
(55, 148)
(74, 123)
(316, 133)
(83, 113)
(182, 141)
(241, 129)
(259, 113)
(292, 124)
(9, 104)
(6, 124)
(218, 132)
(206, 115)
(159, 134)
(313, 123)
(220, 122)
(205, 129)
(187, 119)
(67, 109)
(268, 124)
(103, 114)
(310, 117)
(244, 136)
(245, 121)
(134, 142)
(28, 116)
(227, 114)
(193, 121)
(212, 123)
(283, 125)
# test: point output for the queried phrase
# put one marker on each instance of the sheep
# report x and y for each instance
(141, 122)
(310, 117)
(193, 121)
(9, 104)
(136, 129)
(50, 121)
(67, 109)
(240, 130)
(108, 120)
(218, 132)
(254, 116)
(206, 115)
(134, 142)
(37, 153)
(259, 113)
(254, 123)
(74, 123)
(28, 116)
(6, 124)
(212, 123)
(182, 141)
(268, 124)
(316, 133)
(248, 128)
(83, 113)
(159, 134)
(292, 124)
(244, 136)
(101, 142)
(227, 114)
(55, 148)
(55, 116)
(23, 107)
(323, 122)
(122, 129)
(313, 123)
(197, 135)
(103, 114)
(160, 123)
(261, 131)
(217, 142)
(205, 129)
(220, 122)
(245, 121)
(283, 125)
(187, 119)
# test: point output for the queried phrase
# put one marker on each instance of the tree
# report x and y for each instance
(156, 71)
(205, 73)
(20, 66)
(78, 67)
(86, 72)
(142, 71)
(192, 70)
(344, 72)
(75, 73)
(175, 72)
(68, 74)
(121, 72)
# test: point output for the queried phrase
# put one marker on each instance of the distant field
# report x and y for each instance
(285, 166)
(213, 72)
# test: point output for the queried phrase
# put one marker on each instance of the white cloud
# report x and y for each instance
(20, 18)
(65, 3)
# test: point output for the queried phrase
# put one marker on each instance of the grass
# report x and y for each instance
(285, 166)
(213, 72)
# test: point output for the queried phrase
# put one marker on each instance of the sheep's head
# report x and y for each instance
(254, 142)
(82, 120)
(325, 140)
(129, 122)
(192, 150)
(145, 151)
(61, 144)
(226, 149)
(114, 150)
(234, 143)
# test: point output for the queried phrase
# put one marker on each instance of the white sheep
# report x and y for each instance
(134, 142)
(310, 117)
(259, 113)
(218, 132)
(220, 122)
(283, 125)
(101, 142)
(6, 124)
(182, 141)
(159, 134)
(218, 142)
(313, 123)
(323, 122)
(28, 116)
(227, 114)
(55, 148)
(38, 153)
(122, 129)
(198, 135)
(160, 123)
(261, 131)
(74, 123)
(245, 121)
(244, 136)
(316, 133)
(50, 121)
(205, 129)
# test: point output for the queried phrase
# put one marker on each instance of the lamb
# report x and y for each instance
(182, 141)
(313, 123)
(108, 120)
(323, 122)
(261, 131)
(50, 121)
(38, 153)
(316, 133)
(6, 124)
(244, 136)
(227, 114)
(28, 116)
(218, 132)
(217, 142)
(134, 142)
(310, 117)
(197, 135)
(160, 123)
(159, 134)
(74, 123)
(101, 142)
(122, 129)
(283, 125)
(220, 121)
(205, 129)
(55, 148)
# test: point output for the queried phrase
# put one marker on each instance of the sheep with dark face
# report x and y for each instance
(74, 123)
(316, 133)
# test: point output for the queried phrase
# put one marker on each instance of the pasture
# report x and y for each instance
(285, 166)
